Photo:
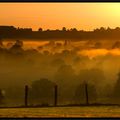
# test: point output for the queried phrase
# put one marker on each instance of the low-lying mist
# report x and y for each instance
(69, 68)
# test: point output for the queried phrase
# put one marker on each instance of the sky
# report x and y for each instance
(86, 16)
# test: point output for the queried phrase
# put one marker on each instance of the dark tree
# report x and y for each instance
(64, 29)
(116, 94)
(73, 30)
(42, 91)
(17, 47)
(65, 77)
(40, 29)
(116, 45)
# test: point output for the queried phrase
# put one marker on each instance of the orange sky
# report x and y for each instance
(85, 16)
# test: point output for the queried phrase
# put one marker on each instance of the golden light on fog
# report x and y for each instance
(99, 52)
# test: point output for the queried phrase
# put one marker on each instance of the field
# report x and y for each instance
(83, 111)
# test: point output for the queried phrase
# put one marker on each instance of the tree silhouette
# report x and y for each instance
(17, 47)
(65, 77)
(40, 29)
(64, 29)
(116, 94)
(73, 33)
(116, 45)
(73, 29)
(42, 91)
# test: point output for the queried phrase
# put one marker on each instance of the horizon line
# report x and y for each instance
(67, 29)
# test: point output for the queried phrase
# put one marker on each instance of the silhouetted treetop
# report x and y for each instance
(72, 33)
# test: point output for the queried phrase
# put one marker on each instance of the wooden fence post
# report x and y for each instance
(55, 95)
(26, 95)
(86, 94)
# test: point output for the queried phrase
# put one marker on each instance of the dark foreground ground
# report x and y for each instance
(83, 111)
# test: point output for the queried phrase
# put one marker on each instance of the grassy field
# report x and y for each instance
(83, 111)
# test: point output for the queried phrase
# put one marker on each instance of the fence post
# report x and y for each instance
(55, 95)
(26, 95)
(86, 94)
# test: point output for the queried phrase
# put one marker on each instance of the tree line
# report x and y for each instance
(64, 33)
(41, 93)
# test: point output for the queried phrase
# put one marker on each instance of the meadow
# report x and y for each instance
(86, 49)
(47, 112)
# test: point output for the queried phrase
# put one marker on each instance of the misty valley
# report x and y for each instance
(68, 64)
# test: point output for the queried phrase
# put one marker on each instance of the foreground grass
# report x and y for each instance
(83, 111)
